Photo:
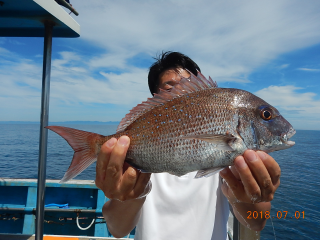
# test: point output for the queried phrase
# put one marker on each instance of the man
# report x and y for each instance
(182, 207)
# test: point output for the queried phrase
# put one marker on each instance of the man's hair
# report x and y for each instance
(166, 61)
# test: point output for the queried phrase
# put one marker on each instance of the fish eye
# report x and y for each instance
(266, 114)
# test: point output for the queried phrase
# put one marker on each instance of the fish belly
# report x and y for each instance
(180, 157)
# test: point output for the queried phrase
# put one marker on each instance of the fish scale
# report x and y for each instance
(195, 127)
(155, 135)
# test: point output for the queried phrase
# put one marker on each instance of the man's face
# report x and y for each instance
(171, 77)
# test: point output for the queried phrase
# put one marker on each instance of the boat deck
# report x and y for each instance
(49, 237)
(81, 219)
(73, 208)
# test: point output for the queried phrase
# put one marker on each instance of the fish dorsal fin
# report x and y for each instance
(185, 86)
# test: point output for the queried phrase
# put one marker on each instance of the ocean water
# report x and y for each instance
(295, 212)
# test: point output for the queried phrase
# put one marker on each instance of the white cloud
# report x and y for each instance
(231, 79)
(20, 90)
(288, 97)
(5, 53)
(309, 69)
(71, 84)
(283, 66)
(226, 38)
(122, 89)
(111, 60)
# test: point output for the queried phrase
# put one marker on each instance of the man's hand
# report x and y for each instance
(117, 179)
(250, 185)
(254, 178)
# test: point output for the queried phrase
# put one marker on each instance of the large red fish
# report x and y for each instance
(196, 126)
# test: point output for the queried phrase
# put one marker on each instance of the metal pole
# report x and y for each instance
(236, 228)
(43, 131)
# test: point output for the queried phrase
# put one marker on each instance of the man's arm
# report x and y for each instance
(122, 217)
(122, 184)
(250, 186)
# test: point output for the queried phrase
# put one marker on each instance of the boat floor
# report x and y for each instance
(51, 237)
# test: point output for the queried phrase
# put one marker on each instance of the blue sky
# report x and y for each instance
(269, 48)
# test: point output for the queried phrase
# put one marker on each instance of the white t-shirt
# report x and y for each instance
(184, 208)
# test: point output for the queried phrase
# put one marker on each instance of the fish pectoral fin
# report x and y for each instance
(222, 141)
(208, 172)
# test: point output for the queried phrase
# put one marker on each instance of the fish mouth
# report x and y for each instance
(285, 137)
(290, 143)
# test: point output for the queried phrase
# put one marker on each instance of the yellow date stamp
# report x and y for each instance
(280, 215)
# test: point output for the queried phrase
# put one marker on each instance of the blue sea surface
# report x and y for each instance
(295, 212)
(19, 148)
(299, 191)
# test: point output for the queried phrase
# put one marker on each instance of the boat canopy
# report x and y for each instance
(25, 18)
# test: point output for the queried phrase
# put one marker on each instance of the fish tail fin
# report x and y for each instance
(85, 146)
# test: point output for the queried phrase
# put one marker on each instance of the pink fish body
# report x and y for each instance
(195, 127)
